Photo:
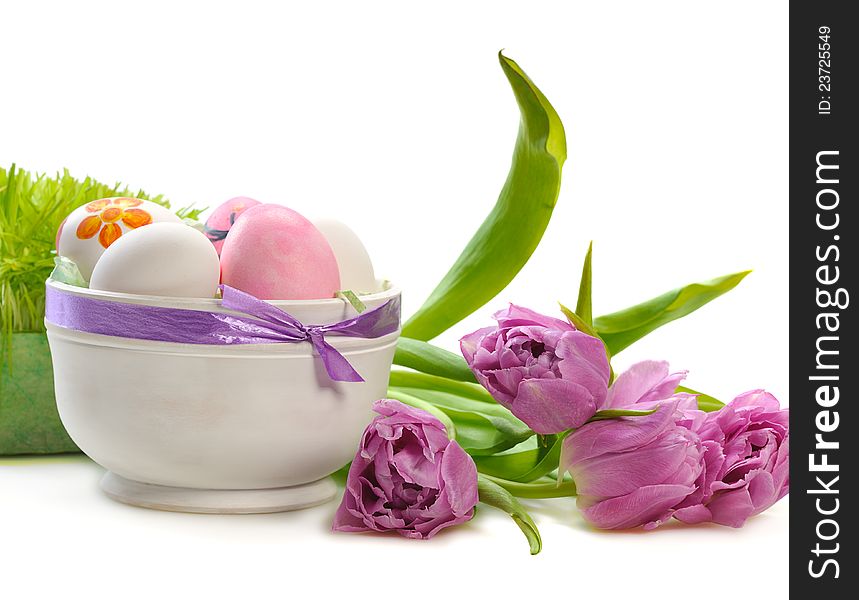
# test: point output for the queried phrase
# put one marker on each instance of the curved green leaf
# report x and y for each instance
(481, 428)
(623, 328)
(584, 304)
(511, 232)
(578, 322)
(705, 402)
(525, 465)
(494, 495)
(615, 413)
(426, 358)
(425, 381)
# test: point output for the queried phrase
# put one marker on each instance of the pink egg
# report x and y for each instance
(222, 218)
(274, 253)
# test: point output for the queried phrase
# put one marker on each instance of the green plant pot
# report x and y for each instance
(29, 423)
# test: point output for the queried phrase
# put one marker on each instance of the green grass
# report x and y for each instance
(32, 206)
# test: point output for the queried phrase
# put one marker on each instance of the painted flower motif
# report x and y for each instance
(109, 212)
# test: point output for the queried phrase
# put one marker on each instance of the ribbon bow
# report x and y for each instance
(275, 325)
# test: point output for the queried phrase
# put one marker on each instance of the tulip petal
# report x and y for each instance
(646, 381)
(553, 405)
(633, 383)
(584, 361)
(503, 384)
(414, 467)
(403, 413)
(347, 518)
(646, 504)
(469, 344)
(618, 474)
(517, 316)
(757, 399)
(428, 529)
(762, 491)
(731, 507)
(618, 435)
(781, 472)
(459, 474)
(693, 514)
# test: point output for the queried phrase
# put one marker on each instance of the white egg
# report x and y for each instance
(356, 269)
(161, 259)
(90, 229)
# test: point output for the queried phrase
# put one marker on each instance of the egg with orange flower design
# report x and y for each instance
(90, 229)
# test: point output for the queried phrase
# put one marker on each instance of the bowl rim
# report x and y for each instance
(212, 303)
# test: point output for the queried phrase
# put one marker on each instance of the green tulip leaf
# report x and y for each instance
(426, 358)
(511, 232)
(621, 329)
(410, 379)
(705, 402)
(524, 465)
(602, 415)
(494, 495)
(584, 305)
(578, 322)
(482, 428)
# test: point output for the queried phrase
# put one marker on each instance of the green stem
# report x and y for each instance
(492, 494)
(549, 489)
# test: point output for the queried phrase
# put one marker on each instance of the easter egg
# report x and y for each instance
(353, 260)
(162, 259)
(222, 218)
(275, 253)
(59, 233)
(90, 229)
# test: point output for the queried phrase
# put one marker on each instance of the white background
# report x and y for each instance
(398, 120)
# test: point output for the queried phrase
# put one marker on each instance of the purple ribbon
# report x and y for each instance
(265, 324)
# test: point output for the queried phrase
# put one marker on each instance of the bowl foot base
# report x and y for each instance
(162, 497)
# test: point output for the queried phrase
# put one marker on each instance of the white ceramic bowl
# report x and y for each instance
(244, 428)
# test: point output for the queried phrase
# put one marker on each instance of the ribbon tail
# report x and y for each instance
(336, 365)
